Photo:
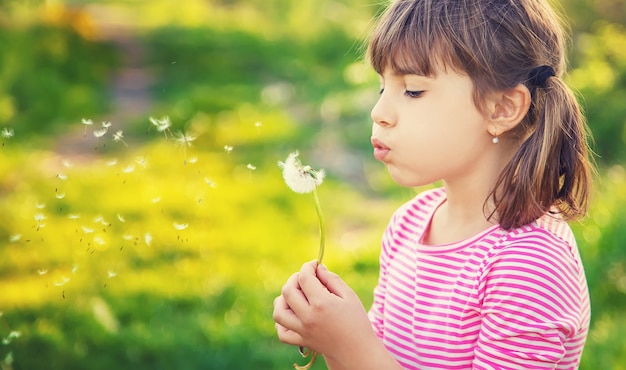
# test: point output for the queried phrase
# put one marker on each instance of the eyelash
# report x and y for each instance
(413, 94)
(409, 93)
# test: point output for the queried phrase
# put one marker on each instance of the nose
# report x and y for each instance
(381, 112)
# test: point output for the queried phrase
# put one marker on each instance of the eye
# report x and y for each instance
(413, 94)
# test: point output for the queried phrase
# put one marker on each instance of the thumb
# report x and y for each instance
(332, 281)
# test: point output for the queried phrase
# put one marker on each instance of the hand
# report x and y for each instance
(317, 310)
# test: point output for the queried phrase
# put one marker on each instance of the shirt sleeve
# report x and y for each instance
(534, 306)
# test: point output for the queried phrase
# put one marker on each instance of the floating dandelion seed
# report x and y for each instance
(193, 160)
(15, 238)
(129, 169)
(62, 176)
(228, 148)
(142, 162)
(148, 239)
(304, 179)
(250, 167)
(40, 205)
(86, 122)
(87, 230)
(156, 200)
(64, 280)
(210, 182)
(119, 137)
(42, 271)
(73, 216)
(99, 240)
(67, 163)
(60, 195)
(111, 274)
(121, 218)
(39, 217)
(106, 124)
(180, 227)
(74, 269)
(7, 133)
(162, 125)
(258, 126)
(111, 162)
(185, 140)
(12, 335)
(100, 132)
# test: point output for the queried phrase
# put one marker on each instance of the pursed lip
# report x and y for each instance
(380, 149)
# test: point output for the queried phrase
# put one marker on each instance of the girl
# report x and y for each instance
(483, 273)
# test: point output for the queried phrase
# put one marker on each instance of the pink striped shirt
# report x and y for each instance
(498, 300)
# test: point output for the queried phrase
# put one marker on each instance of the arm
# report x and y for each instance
(319, 311)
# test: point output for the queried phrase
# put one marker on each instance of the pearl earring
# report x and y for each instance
(495, 140)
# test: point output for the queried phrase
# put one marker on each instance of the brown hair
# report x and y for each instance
(499, 44)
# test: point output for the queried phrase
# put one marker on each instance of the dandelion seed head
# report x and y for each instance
(7, 133)
(300, 179)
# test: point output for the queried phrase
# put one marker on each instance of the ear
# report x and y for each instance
(507, 109)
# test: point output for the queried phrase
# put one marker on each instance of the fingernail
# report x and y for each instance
(323, 267)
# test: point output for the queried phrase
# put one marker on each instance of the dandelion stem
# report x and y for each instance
(320, 217)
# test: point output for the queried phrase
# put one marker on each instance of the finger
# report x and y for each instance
(309, 283)
(284, 315)
(287, 336)
(294, 297)
(332, 282)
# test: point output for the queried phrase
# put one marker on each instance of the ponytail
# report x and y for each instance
(551, 171)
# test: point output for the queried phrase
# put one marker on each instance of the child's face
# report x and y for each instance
(428, 128)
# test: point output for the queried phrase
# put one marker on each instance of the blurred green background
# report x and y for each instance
(134, 250)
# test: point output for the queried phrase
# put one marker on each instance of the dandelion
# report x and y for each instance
(304, 179)
(185, 139)
(119, 136)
